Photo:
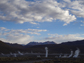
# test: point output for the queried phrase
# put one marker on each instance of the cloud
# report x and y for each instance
(18, 36)
(38, 27)
(21, 11)
(21, 31)
(22, 39)
(76, 7)
(64, 38)
(82, 23)
(67, 1)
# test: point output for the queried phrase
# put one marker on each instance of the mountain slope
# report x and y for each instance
(41, 43)
(15, 45)
(40, 47)
(6, 48)
(78, 42)
(64, 47)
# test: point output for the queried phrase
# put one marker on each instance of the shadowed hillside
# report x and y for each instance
(6, 48)
(53, 48)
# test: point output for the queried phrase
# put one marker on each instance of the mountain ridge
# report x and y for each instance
(41, 43)
(64, 47)
(78, 42)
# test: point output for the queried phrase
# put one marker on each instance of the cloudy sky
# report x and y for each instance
(23, 21)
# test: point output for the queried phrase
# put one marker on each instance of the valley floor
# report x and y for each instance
(54, 60)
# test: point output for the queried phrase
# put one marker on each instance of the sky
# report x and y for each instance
(24, 21)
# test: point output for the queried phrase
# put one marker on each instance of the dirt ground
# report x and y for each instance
(29, 61)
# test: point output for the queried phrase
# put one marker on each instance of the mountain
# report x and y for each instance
(7, 47)
(49, 42)
(64, 47)
(4, 48)
(78, 42)
(15, 45)
(40, 43)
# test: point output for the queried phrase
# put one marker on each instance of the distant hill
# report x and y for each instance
(15, 45)
(7, 47)
(4, 48)
(78, 42)
(64, 47)
(41, 43)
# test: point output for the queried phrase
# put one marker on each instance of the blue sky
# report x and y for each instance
(23, 21)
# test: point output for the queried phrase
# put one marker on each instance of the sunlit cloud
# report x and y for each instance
(21, 11)
(18, 36)
(64, 38)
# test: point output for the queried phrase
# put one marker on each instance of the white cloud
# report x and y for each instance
(76, 7)
(64, 38)
(21, 39)
(18, 36)
(21, 31)
(82, 23)
(78, 13)
(21, 11)
(38, 27)
(67, 1)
